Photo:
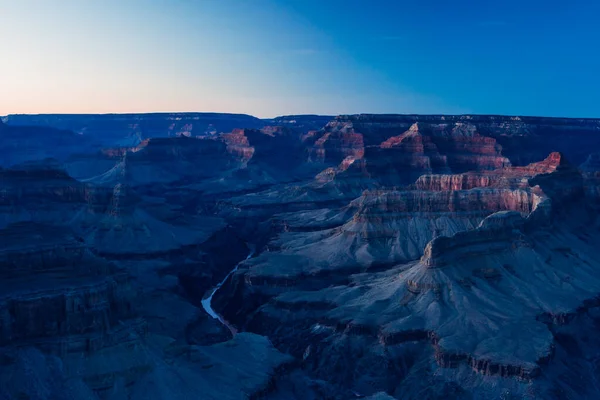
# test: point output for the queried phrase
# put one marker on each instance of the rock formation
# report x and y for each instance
(392, 256)
(130, 129)
(84, 329)
(482, 238)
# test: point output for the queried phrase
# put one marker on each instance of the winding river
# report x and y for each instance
(206, 303)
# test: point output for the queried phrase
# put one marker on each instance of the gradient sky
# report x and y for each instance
(269, 57)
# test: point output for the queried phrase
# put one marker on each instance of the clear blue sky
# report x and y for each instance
(269, 57)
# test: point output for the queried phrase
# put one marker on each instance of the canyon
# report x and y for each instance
(391, 256)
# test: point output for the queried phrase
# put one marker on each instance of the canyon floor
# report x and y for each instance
(220, 256)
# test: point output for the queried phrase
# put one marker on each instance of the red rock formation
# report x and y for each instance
(334, 143)
(501, 178)
(393, 159)
(238, 145)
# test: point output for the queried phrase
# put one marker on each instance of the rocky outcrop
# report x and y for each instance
(334, 143)
(59, 296)
(523, 139)
(475, 268)
(365, 152)
(496, 234)
(422, 148)
(481, 236)
(272, 150)
(152, 368)
(398, 149)
(238, 145)
(106, 211)
(160, 160)
(388, 226)
(73, 320)
(359, 156)
(44, 192)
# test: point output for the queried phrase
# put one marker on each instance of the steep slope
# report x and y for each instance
(390, 226)
(355, 157)
(488, 282)
(373, 152)
(523, 139)
(42, 191)
(57, 295)
(274, 151)
(119, 223)
(70, 327)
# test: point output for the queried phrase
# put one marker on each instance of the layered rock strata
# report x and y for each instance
(502, 261)
(57, 295)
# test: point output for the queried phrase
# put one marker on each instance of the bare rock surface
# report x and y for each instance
(392, 256)
(85, 328)
(345, 286)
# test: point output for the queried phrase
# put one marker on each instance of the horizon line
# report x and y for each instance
(4, 116)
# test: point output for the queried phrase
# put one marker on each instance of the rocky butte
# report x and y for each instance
(221, 256)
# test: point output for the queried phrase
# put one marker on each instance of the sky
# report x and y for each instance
(281, 57)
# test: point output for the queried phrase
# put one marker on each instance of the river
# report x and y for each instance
(206, 303)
